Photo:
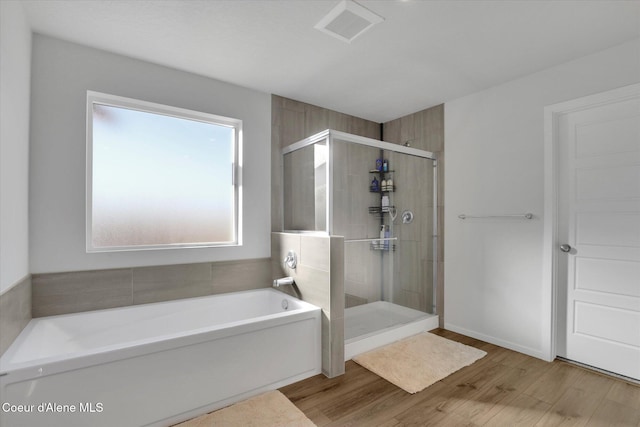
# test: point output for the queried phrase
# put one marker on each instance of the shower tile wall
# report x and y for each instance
(423, 130)
(352, 199)
(292, 121)
(299, 179)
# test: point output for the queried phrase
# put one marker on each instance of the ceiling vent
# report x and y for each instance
(348, 20)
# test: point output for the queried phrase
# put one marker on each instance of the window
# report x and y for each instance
(160, 177)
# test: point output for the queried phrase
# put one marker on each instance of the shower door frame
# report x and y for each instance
(329, 135)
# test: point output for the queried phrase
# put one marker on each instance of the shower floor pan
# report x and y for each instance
(379, 323)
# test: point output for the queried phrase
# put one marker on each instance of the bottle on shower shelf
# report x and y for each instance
(375, 185)
(386, 236)
(385, 203)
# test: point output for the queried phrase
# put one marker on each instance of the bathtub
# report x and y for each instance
(157, 364)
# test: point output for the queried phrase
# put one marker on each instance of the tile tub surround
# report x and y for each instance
(72, 292)
(15, 312)
(319, 276)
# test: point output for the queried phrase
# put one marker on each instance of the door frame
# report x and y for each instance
(552, 114)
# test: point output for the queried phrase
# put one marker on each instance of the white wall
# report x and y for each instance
(62, 73)
(497, 285)
(15, 65)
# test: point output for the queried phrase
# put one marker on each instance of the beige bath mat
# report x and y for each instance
(416, 362)
(271, 409)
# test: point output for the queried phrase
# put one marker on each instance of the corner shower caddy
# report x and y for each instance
(380, 210)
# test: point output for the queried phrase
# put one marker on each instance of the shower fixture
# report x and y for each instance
(407, 217)
(291, 260)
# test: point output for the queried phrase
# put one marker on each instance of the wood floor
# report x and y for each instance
(504, 388)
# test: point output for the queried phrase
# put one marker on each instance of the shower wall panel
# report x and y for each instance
(299, 180)
(351, 201)
(293, 121)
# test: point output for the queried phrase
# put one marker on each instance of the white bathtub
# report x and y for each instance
(157, 364)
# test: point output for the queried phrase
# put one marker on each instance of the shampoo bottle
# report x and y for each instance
(386, 236)
(385, 203)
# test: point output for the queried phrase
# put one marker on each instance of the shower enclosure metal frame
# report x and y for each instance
(328, 136)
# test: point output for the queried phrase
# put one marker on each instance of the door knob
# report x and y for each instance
(565, 247)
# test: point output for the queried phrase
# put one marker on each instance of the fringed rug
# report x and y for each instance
(271, 409)
(416, 362)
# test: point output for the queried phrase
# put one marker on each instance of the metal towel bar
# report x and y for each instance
(387, 239)
(524, 215)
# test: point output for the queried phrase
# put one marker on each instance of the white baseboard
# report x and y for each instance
(537, 353)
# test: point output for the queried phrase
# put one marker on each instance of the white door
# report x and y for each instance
(599, 233)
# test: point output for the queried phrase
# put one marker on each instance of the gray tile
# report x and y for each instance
(338, 121)
(337, 277)
(15, 312)
(241, 275)
(276, 180)
(169, 282)
(281, 244)
(433, 128)
(353, 300)
(316, 119)
(292, 126)
(440, 294)
(441, 165)
(326, 345)
(314, 286)
(392, 132)
(337, 347)
(315, 252)
(292, 104)
(60, 293)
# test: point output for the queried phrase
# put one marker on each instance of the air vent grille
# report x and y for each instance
(348, 20)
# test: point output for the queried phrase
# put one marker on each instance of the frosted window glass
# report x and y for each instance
(160, 180)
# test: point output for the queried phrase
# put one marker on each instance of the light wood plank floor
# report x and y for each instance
(504, 388)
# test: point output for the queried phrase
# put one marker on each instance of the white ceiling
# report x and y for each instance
(423, 54)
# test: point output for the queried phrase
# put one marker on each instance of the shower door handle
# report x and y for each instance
(565, 248)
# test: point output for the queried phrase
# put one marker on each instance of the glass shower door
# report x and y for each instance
(388, 262)
(380, 197)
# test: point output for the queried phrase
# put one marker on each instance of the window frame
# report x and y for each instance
(166, 110)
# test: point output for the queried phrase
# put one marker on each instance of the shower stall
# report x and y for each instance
(381, 197)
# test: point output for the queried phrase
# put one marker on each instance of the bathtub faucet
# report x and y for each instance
(288, 281)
